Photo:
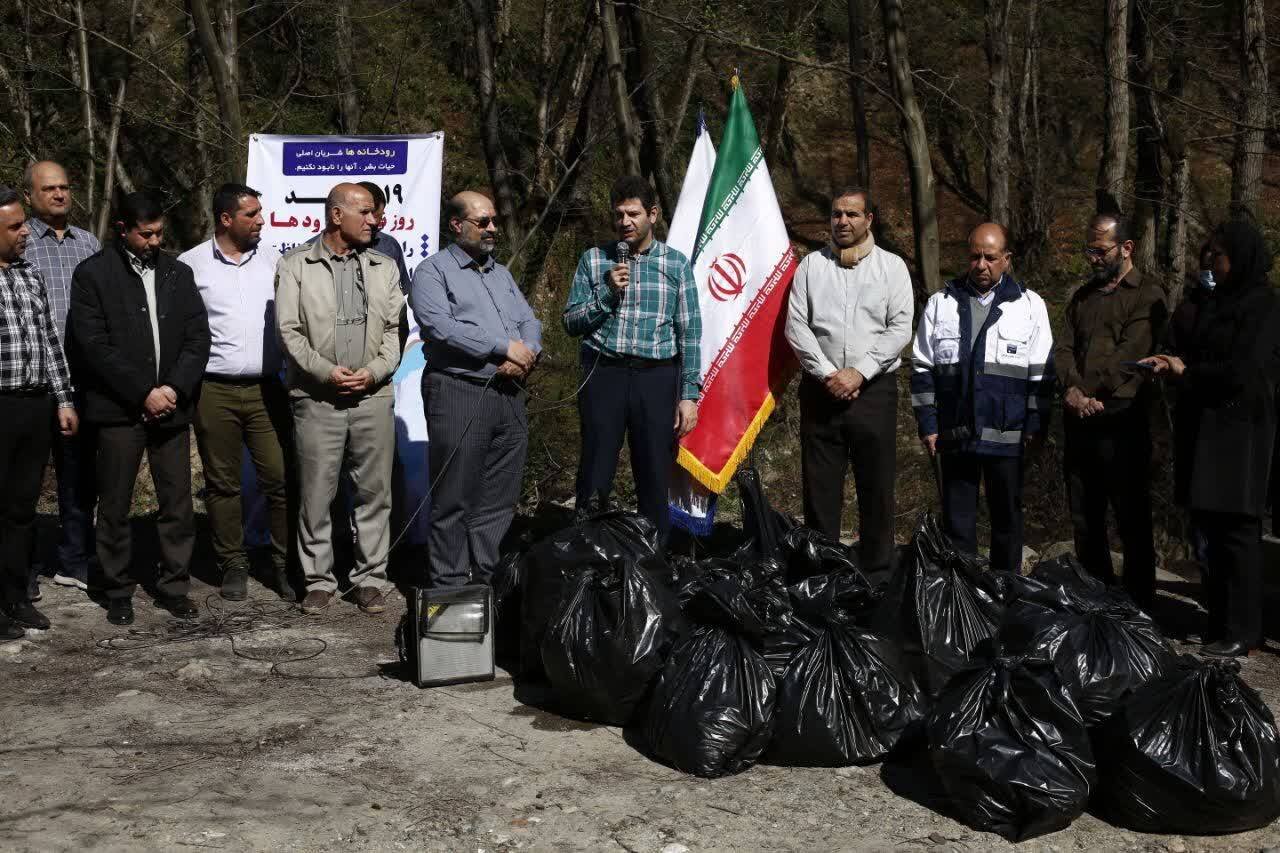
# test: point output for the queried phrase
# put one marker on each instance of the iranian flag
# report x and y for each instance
(743, 264)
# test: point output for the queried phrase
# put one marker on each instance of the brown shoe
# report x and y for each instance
(370, 600)
(316, 600)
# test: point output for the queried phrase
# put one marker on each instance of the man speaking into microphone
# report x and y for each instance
(635, 306)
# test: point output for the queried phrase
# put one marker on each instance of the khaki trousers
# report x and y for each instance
(361, 435)
(228, 417)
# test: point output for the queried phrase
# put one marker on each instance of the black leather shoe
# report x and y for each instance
(235, 583)
(282, 585)
(10, 630)
(182, 607)
(120, 611)
(1226, 649)
(27, 616)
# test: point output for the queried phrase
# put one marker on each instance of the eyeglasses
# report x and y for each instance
(482, 222)
(1095, 252)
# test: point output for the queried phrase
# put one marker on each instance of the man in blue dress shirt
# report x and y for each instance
(483, 340)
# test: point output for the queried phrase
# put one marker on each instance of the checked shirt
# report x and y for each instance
(30, 351)
(656, 317)
(56, 260)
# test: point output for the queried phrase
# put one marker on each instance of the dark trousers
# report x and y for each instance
(168, 450)
(25, 434)
(229, 417)
(1107, 461)
(77, 494)
(638, 402)
(961, 475)
(478, 439)
(862, 432)
(1234, 577)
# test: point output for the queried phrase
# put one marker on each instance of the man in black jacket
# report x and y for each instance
(140, 340)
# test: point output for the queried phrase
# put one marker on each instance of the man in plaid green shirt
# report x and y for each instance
(641, 333)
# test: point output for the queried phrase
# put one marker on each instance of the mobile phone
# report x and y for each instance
(1137, 365)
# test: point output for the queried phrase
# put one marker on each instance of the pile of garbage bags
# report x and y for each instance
(1028, 698)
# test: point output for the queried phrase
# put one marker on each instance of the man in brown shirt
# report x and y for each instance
(1112, 320)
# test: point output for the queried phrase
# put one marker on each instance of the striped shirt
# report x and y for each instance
(656, 317)
(56, 260)
(31, 356)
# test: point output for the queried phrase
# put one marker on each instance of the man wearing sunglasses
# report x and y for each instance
(1112, 321)
(482, 341)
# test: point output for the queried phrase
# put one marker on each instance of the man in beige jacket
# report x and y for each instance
(338, 310)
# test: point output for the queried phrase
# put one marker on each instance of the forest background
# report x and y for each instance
(1033, 113)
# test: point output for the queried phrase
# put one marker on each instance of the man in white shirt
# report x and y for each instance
(242, 400)
(848, 320)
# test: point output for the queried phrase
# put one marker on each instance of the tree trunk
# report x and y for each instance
(1115, 143)
(1035, 212)
(1175, 259)
(692, 59)
(857, 90)
(1149, 188)
(618, 88)
(1246, 164)
(1000, 100)
(1173, 252)
(348, 97)
(501, 175)
(113, 135)
(108, 181)
(220, 49)
(18, 85)
(86, 104)
(653, 124)
(585, 58)
(777, 111)
(924, 208)
(202, 180)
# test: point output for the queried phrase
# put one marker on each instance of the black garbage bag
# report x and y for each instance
(608, 640)
(806, 553)
(1010, 747)
(939, 604)
(1193, 752)
(711, 710)
(762, 525)
(744, 567)
(612, 539)
(508, 583)
(845, 694)
(1066, 571)
(1101, 643)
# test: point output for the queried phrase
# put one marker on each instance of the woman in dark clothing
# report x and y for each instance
(1228, 372)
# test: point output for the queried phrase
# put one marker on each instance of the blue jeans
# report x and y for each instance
(73, 461)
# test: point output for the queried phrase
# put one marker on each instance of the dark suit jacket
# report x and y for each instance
(112, 353)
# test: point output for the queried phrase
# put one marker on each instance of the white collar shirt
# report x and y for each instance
(240, 299)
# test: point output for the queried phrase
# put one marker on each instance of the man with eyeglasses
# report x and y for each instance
(848, 320)
(1112, 320)
(483, 340)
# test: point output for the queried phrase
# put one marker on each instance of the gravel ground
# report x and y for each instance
(297, 733)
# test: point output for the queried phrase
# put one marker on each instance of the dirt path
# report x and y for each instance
(197, 744)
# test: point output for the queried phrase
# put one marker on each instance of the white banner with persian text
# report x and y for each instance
(294, 174)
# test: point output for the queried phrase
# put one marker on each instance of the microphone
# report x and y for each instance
(624, 257)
